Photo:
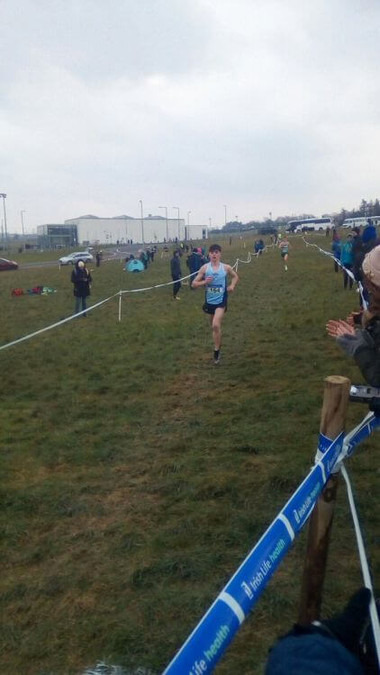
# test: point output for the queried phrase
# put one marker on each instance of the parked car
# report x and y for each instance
(7, 265)
(72, 258)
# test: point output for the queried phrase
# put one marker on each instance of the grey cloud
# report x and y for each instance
(96, 40)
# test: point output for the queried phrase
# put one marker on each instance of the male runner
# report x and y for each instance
(213, 276)
(284, 250)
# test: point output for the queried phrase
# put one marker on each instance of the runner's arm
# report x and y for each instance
(200, 279)
(234, 280)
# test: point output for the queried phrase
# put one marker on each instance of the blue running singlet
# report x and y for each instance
(216, 292)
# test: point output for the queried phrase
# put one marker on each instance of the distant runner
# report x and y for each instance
(284, 250)
(213, 276)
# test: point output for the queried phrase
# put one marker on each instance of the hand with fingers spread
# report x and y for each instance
(337, 328)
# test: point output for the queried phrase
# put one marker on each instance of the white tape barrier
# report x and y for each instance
(150, 288)
(58, 323)
(337, 261)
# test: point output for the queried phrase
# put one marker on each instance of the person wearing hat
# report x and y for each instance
(369, 237)
(81, 278)
(362, 341)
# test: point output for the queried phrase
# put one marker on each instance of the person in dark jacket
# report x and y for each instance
(357, 252)
(194, 262)
(337, 646)
(175, 269)
(81, 278)
(363, 342)
(369, 237)
(336, 247)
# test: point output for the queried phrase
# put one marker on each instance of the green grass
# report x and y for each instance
(136, 476)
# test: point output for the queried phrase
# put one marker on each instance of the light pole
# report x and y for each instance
(225, 214)
(167, 229)
(177, 209)
(22, 221)
(188, 224)
(3, 195)
(142, 221)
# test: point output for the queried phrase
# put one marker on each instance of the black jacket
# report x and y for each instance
(175, 267)
(81, 278)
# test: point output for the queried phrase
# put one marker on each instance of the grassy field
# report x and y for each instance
(136, 475)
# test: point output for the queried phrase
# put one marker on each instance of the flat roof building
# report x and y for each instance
(121, 229)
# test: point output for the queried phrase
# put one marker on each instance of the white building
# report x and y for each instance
(121, 229)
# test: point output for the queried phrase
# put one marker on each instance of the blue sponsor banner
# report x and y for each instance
(207, 643)
(299, 507)
(363, 433)
(252, 576)
(215, 631)
(329, 458)
(324, 443)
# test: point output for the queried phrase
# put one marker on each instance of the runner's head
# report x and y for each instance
(214, 253)
(215, 248)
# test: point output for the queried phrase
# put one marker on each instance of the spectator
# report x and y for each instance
(175, 269)
(363, 343)
(347, 260)
(81, 278)
(369, 237)
(194, 262)
(357, 252)
(337, 646)
(336, 249)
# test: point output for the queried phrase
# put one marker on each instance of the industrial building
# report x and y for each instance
(123, 229)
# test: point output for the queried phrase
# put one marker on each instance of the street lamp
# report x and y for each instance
(142, 220)
(225, 214)
(22, 221)
(167, 229)
(188, 224)
(177, 209)
(3, 195)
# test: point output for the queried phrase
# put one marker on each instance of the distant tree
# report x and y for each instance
(363, 208)
(232, 226)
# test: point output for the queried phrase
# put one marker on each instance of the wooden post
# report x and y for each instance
(333, 417)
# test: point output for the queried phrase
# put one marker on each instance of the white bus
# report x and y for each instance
(361, 221)
(309, 225)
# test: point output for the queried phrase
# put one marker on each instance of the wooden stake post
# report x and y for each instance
(333, 418)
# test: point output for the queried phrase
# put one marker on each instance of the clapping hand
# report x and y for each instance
(337, 328)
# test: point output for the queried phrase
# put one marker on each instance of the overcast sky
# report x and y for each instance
(260, 105)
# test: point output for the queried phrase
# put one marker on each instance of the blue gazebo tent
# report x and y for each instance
(134, 266)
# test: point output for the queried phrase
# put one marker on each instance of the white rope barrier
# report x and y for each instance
(364, 563)
(348, 272)
(58, 323)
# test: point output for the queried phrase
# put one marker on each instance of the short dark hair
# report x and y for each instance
(215, 247)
